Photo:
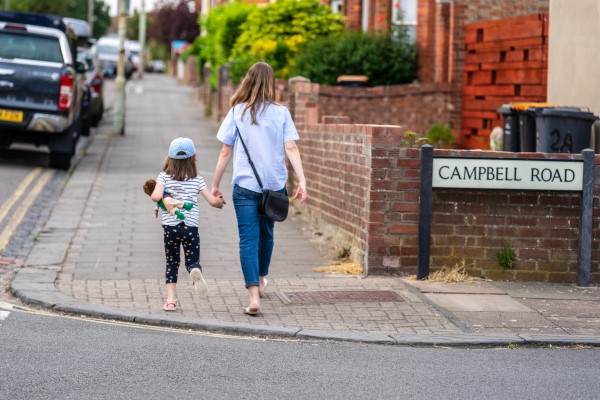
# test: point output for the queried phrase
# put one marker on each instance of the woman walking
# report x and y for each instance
(270, 135)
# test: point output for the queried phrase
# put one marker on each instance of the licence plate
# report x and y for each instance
(11, 116)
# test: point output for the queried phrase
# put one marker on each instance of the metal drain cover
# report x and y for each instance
(342, 296)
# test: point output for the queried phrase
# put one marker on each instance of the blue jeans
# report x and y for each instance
(256, 235)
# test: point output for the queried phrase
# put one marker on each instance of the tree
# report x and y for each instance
(276, 32)
(174, 21)
(68, 8)
(55, 7)
(133, 25)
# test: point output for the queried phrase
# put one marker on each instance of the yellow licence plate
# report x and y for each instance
(11, 116)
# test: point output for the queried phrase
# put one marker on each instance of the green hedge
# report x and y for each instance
(385, 60)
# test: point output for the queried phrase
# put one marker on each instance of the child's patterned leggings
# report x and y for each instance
(175, 237)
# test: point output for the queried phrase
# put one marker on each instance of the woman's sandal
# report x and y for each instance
(170, 305)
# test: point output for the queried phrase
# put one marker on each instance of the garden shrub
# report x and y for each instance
(222, 26)
(274, 34)
(384, 59)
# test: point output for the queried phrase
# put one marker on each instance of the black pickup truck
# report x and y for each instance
(40, 84)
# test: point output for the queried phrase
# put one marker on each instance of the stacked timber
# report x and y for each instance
(506, 61)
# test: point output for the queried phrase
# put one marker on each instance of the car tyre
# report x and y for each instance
(98, 117)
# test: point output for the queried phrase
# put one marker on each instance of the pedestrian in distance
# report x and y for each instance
(180, 178)
(270, 135)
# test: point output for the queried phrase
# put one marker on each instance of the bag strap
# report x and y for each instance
(237, 131)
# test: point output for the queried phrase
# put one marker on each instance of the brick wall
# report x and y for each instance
(367, 186)
(415, 107)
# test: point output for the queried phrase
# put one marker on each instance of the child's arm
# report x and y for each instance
(215, 201)
(157, 193)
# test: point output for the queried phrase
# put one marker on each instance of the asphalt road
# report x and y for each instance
(52, 357)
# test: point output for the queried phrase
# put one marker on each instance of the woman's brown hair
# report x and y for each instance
(256, 90)
(180, 170)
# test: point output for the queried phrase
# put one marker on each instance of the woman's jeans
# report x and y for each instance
(256, 235)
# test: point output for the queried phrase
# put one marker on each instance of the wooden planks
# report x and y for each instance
(505, 61)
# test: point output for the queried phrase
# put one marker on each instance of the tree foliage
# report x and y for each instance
(385, 60)
(174, 21)
(133, 25)
(223, 26)
(276, 32)
(68, 8)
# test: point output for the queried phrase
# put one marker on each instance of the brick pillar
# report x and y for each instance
(380, 20)
(352, 11)
(442, 41)
(303, 102)
(426, 39)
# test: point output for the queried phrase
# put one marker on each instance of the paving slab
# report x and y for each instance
(476, 287)
(503, 319)
(477, 302)
(544, 290)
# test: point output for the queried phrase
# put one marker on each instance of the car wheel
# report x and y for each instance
(62, 147)
(60, 160)
(98, 117)
(85, 126)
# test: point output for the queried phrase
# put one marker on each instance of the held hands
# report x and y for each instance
(301, 192)
(220, 200)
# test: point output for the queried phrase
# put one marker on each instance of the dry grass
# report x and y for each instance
(456, 274)
(347, 267)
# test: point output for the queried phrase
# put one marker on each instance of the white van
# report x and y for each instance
(107, 49)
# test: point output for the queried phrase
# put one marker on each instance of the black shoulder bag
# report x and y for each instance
(272, 204)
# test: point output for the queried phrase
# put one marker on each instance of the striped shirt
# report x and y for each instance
(186, 191)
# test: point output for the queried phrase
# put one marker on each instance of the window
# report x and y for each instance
(30, 47)
(404, 15)
(336, 6)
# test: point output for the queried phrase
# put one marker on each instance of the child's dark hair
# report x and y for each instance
(180, 170)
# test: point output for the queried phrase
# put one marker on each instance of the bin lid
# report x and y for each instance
(525, 106)
(566, 112)
(504, 109)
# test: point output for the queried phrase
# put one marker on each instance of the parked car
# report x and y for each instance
(84, 32)
(158, 66)
(107, 48)
(94, 79)
(40, 84)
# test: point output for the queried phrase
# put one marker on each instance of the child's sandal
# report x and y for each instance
(170, 305)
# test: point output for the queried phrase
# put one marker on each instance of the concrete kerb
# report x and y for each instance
(41, 293)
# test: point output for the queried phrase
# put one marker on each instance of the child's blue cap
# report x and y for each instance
(181, 148)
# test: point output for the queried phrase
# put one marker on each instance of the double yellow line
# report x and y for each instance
(25, 199)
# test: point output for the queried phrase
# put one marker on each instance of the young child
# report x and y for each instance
(180, 178)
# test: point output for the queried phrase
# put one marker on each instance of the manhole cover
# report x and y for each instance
(343, 296)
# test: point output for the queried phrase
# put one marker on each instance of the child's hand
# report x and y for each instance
(220, 201)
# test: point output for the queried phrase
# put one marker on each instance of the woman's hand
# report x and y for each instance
(301, 192)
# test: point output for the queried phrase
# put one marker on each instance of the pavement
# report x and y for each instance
(100, 254)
